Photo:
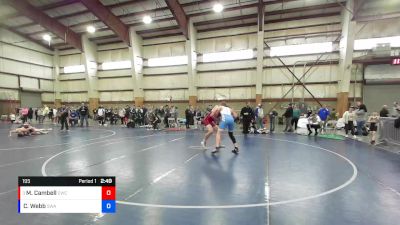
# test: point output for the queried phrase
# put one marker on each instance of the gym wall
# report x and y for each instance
(23, 66)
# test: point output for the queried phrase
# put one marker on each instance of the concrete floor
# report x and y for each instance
(165, 178)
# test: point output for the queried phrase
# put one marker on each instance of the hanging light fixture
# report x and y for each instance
(218, 7)
(91, 29)
(147, 19)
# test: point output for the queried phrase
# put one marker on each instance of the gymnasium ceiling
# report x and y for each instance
(74, 16)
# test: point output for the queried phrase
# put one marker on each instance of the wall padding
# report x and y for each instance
(163, 95)
(74, 97)
(113, 73)
(226, 93)
(47, 97)
(10, 66)
(231, 78)
(167, 81)
(115, 84)
(116, 96)
(227, 65)
(26, 55)
(27, 82)
(164, 50)
(72, 60)
(74, 85)
(6, 94)
(8, 81)
(113, 55)
(46, 85)
(223, 44)
(165, 70)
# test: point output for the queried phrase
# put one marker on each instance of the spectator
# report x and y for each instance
(360, 117)
(84, 114)
(64, 115)
(40, 115)
(174, 114)
(59, 115)
(30, 114)
(288, 118)
(303, 109)
(24, 113)
(121, 114)
(323, 114)
(349, 118)
(73, 117)
(333, 115)
(272, 115)
(188, 116)
(296, 116)
(259, 116)
(313, 122)
(167, 114)
(36, 114)
(51, 114)
(127, 112)
(384, 111)
(55, 115)
(247, 116)
(45, 112)
(101, 115)
(373, 127)
(154, 120)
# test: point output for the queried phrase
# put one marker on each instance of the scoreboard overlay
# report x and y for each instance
(66, 194)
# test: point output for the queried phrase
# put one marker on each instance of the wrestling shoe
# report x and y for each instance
(215, 150)
(203, 144)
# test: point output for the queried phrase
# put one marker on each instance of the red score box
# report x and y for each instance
(108, 193)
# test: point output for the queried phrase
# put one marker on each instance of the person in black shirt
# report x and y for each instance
(188, 115)
(247, 115)
(288, 118)
(36, 114)
(64, 117)
(84, 113)
(30, 114)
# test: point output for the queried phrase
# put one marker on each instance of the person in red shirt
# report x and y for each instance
(209, 123)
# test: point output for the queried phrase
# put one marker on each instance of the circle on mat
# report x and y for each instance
(264, 204)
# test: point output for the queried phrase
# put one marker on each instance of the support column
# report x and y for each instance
(90, 56)
(56, 77)
(136, 53)
(346, 58)
(192, 63)
(260, 52)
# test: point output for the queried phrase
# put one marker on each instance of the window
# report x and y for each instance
(116, 65)
(74, 69)
(301, 49)
(227, 56)
(370, 43)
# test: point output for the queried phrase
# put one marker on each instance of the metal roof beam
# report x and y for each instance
(47, 22)
(108, 18)
(179, 15)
